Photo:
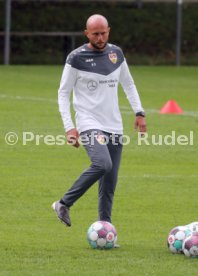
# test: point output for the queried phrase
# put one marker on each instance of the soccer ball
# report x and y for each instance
(193, 226)
(176, 238)
(102, 235)
(190, 245)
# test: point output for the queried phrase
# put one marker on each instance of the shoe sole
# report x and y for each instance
(54, 208)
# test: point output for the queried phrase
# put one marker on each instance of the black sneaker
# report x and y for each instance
(62, 212)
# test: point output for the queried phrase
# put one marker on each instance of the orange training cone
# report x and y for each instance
(171, 107)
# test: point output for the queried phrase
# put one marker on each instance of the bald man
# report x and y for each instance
(93, 72)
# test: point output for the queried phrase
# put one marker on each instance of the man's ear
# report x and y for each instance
(85, 32)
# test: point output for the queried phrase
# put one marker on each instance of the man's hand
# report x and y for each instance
(140, 124)
(72, 137)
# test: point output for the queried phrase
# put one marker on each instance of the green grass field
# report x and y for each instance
(157, 187)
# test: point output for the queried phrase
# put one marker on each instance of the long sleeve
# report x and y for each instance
(67, 83)
(130, 89)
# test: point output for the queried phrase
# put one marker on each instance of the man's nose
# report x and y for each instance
(100, 37)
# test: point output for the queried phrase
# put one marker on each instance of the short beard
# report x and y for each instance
(98, 48)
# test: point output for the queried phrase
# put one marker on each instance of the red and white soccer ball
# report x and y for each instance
(102, 235)
(190, 245)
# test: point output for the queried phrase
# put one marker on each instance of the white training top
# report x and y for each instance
(94, 77)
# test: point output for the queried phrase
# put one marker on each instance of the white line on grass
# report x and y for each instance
(125, 109)
(24, 98)
(159, 176)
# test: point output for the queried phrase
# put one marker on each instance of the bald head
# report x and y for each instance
(97, 31)
(96, 20)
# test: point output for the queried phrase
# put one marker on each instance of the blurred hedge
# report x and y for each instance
(146, 34)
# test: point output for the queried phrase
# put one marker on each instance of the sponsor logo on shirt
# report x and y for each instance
(92, 85)
(113, 57)
(110, 83)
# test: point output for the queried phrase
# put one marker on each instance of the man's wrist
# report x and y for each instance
(140, 113)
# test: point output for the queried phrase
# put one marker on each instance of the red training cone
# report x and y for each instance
(171, 107)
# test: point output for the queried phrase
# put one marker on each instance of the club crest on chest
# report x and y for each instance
(113, 57)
